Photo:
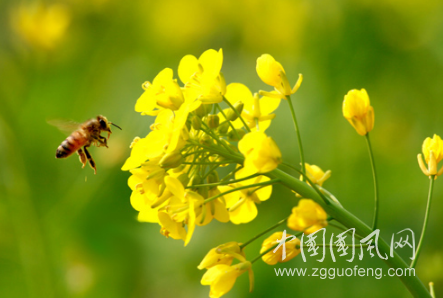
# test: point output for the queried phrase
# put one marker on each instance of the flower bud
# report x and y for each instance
(195, 180)
(232, 136)
(206, 139)
(231, 115)
(223, 128)
(196, 122)
(358, 111)
(212, 121)
(213, 177)
(171, 160)
(183, 178)
(201, 111)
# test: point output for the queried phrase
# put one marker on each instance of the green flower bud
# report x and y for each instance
(206, 139)
(201, 111)
(231, 115)
(232, 136)
(195, 180)
(213, 177)
(212, 121)
(223, 127)
(171, 160)
(196, 122)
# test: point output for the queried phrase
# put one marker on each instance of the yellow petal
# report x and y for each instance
(187, 67)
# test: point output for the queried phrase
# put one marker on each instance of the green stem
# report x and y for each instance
(238, 113)
(264, 232)
(224, 182)
(343, 229)
(237, 158)
(215, 137)
(374, 175)
(412, 283)
(206, 163)
(230, 123)
(270, 182)
(425, 223)
(300, 146)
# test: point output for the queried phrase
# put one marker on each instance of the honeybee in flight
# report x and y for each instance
(87, 134)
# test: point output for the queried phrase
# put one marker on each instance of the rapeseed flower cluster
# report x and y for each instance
(201, 125)
(174, 179)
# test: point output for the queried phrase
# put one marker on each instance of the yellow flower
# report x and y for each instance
(433, 153)
(213, 209)
(358, 111)
(222, 277)
(167, 136)
(272, 73)
(164, 92)
(255, 108)
(202, 77)
(272, 258)
(145, 192)
(308, 216)
(261, 153)
(181, 208)
(316, 175)
(241, 203)
(41, 26)
(222, 254)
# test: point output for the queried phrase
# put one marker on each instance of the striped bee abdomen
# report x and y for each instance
(72, 143)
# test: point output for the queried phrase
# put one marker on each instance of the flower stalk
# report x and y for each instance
(425, 223)
(374, 176)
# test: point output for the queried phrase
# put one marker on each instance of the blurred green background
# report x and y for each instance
(68, 233)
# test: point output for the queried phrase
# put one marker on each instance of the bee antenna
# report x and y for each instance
(115, 125)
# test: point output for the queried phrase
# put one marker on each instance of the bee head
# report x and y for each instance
(104, 125)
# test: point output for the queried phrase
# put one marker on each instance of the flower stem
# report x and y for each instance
(412, 283)
(374, 175)
(223, 182)
(264, 232)
(230, 123)
(266, 183)
(425, 223)
(300, 146)
(238, 113)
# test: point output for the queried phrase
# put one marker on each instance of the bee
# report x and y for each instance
(85, 135)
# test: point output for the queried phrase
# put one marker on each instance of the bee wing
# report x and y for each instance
(65, 126)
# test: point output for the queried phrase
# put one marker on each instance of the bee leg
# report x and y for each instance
(82, 157)
(91, 161)
(103, 141)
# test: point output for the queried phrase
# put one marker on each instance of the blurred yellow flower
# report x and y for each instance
(222, 254)
(241, 203)
(433, 154)
(272, 258)
(261, 153)
(168, 135)
(202, 77)
(181, 207)
(41, 26)
(308, 217)
(316, 174)
(272, 73)
(222, 277)
(358, 111)
(213, 209)
(163, 93)
(255, 108)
